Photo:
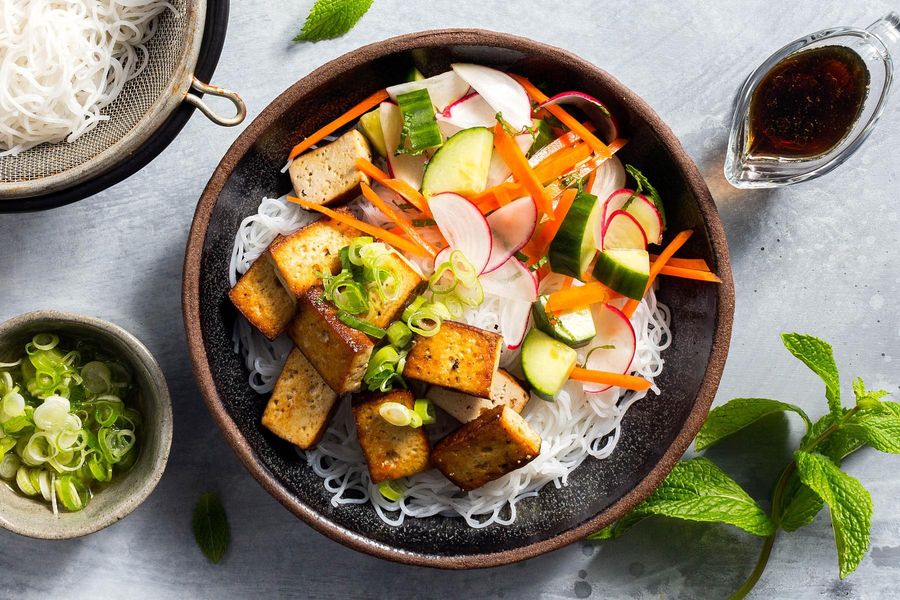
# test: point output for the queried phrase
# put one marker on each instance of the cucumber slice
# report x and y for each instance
(543, 135)
(546, 363)
(414, 75)
(461, 165)
(624, 270)
(420, 129)
(370, 125)
(574, 328)
(573, 247)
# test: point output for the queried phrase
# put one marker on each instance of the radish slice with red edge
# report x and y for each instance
(640, 207)
(500, 91)
(623, 231)
(405, 167)
(463, 226)
(469, 111)
(613, 348)
(514, 317)
(512, 280)
(511, 228)
(593, 109)
(443, 89)
(610, 178)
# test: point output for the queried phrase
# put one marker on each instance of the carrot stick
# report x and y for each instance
(567, 282)
(399, 186)
(578, 297)
(689, 274)
(560, 162)
(492, 195)
(629, 382)
(550, 228)
(697, 264)
(398, 219)
(522, 172)
(382, 234)
(353, 113)
(568, 120)
(676, 243)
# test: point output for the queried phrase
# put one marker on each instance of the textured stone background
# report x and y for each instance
(816, 258)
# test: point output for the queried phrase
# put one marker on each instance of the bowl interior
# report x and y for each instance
(35, 518)
(700, 318)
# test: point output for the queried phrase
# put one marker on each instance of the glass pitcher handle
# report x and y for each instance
(887, 29)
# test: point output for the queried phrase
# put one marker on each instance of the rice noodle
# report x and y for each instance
(575, 427)
(63, 61)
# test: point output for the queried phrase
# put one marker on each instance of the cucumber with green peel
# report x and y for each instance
(370, 126)
(543, 135)
(546, 363)
(574, 328)
(461, 164)
(420, 130)
(624, 270)
(573, 247)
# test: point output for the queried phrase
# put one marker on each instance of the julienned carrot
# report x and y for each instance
(398, 219)
(683, 273)
(399, 186)
(560, 162)
(548, 231)
(522, 172)
(567, 282)
(497, 196)
(568, 120)
(382, 234)
(676, 243)
(574, 298)
(629, 382)
(697, 264)
(354, 113)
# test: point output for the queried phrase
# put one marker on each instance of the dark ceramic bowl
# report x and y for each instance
(657, 430)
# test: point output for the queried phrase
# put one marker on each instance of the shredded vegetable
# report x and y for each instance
(355, 112)
(669, 251)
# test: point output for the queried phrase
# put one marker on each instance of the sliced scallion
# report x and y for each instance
(425, 409)
(391, 490)
(361, 325)
(399, 334)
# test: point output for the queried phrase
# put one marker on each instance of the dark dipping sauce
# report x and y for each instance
(807, 103)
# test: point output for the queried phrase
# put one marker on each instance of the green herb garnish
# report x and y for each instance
(210, 526)
(329, 19)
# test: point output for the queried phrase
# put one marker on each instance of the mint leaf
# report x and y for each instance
(210, 526)
(878, 427)
(697, 490)
(329, 19)
(849, 502)
(866, 398)
(737, 414)
(801, 505)
(818, 356)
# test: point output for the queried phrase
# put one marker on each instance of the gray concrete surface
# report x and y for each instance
(817, 258)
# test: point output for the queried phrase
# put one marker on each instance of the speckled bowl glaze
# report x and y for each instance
(35, 519)
(656, 431)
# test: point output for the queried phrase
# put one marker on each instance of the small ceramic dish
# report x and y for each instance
(35, 519)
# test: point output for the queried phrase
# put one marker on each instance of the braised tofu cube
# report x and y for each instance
(505, 391)
(301, 403)
(328, 174)
(338, 352)
(391, 452)
(261, 298)
(304, 255)
(494, 444)
(459, 357)
(382, 312)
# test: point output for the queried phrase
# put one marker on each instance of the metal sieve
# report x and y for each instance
(142, 107)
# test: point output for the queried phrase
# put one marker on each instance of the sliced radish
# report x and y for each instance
(498, 172)
(463, 226)
(406, 167)
(500, 91)
(614, 330)
(595, 110)
(443, 89)
(514, 317)
(641, 208)
(623, 231)
(511, 228)
(512, 280)
(610, 177)
(469, 111)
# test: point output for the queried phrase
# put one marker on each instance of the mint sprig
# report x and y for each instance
(698, 490)
(329, 19)
(210, 525)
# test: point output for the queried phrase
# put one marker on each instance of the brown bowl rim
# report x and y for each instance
(354, 58)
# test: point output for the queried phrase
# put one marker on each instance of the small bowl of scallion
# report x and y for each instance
(85, 424)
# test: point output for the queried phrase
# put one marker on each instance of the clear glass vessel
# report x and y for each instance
(746, 169)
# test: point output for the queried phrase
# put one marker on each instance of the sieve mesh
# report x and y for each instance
(166, 51)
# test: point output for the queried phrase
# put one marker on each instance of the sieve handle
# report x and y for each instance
(206, 88)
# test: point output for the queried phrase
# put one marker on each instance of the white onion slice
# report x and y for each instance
(463, 226)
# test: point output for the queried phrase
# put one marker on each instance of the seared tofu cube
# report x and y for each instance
(505, 391)
(391, 452)
(338, 352)
(328, 175)
(261, 298)
(494, 444)
(301, 403)
(382, 312)
(304, 255)
(459, 357)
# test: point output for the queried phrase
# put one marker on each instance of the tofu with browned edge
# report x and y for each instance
(262, 299)
(505, 391)
(301, 403)
(383, 312)
(328, 174)
(304, 255)
(494, 444)
(391, 452)
(338, 352)
(459, 357)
